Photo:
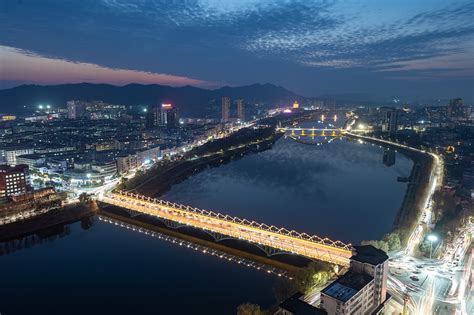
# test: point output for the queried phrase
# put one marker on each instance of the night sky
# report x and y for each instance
(416, 48)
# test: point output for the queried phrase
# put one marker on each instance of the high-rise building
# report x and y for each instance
(361, 290)
(457, 110)
(153, 117)
(240, 109)
(163, 116)
(76, 109)
(225, 108)
(169, 119)
(372, 261)
(13, 180)
(391, 121)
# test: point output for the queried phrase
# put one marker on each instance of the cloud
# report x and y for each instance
(459, 63)
(369, 42)
(22, 65)
(318, 33)
(310, 46)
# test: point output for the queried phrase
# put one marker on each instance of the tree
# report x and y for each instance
(249, 309)
(424, 248)
(393, 241)
(84, 198)
(321, 277)
(123, 183)
(313, 275)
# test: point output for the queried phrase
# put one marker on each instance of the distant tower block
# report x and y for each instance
(296, 105)
(240, 109)
(225, 108)
(168, 118)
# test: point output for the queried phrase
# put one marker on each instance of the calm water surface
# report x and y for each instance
(341, 190)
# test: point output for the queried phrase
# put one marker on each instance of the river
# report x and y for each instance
(341, 190)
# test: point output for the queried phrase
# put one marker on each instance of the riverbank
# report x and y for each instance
(418, 188)
(65, 215)
(30, 205)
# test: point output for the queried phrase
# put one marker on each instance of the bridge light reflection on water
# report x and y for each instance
(198, 248)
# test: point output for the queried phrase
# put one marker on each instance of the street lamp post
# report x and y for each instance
(432, 238)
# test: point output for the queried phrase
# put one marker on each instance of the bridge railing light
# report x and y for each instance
(261, 226)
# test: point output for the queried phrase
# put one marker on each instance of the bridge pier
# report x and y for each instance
(218, 236)
(268, 250)
(271, 251)
(132, 213)
(171, 224)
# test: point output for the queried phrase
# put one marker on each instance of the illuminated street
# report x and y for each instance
(432, 285)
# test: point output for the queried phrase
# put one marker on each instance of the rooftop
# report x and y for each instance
(344, 288)
(297, 306)
(369, 254)
(18, 168)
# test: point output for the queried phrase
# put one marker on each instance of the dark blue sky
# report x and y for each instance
(421, 48)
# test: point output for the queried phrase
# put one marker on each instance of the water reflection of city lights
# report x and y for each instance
(200, 248)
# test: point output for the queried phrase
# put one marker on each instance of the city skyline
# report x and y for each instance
(416, 49)
(248, 157)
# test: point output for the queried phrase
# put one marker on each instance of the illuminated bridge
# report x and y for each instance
(272, 240)
(313, 132)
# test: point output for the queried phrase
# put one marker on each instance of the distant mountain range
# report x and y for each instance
(191, 101)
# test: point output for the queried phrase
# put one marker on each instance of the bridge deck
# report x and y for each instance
(280, 238)
(312, 132)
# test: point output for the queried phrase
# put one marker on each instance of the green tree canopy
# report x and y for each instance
(249, 309)
(393, 241)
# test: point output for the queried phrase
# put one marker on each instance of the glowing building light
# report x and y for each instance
(322, 117)
(296, 105)
(287, 110)
(167, 106)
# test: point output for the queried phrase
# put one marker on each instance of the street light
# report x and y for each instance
(432, 238)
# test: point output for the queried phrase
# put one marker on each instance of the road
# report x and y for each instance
(260, 234)
(433, 286)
